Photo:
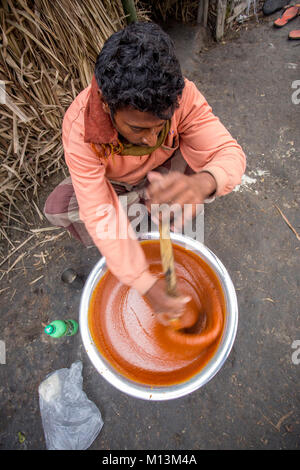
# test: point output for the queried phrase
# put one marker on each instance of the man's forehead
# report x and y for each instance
(135, 118)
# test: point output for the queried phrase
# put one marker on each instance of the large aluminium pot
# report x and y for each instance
(147, 392)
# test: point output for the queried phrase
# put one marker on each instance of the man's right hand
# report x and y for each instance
(164, 306)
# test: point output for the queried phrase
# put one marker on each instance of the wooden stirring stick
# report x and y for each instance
(167, 257)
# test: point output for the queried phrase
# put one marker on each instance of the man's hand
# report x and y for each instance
(176, 188)
(165, 307)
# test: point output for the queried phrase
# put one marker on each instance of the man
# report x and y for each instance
(139, 114)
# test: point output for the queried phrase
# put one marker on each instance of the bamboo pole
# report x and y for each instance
(221, 15)
(129, 10)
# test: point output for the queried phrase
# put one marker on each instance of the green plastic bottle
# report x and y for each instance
(59, 328)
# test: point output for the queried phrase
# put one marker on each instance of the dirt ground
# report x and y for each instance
(253, 401)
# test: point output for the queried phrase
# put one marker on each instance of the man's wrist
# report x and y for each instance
(144, 282)
(207, 183)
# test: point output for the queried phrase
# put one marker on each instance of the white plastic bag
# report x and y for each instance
(70, 420)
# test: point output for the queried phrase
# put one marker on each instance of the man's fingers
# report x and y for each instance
(180, 305)
(172, 194)
(171, 176)
(161, 185)
(182, 299)
(176, 306)
(165, 318)
(154, 176)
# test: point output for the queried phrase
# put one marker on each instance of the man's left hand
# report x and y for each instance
(176, 188)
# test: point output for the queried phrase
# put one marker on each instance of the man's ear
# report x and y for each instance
(103, 102)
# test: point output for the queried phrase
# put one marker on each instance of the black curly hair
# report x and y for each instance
(137, 67)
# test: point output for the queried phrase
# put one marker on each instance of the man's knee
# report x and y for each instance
(58, 204)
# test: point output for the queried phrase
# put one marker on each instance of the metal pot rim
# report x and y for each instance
(170, 392)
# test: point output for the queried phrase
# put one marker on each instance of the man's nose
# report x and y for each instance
(150, 138)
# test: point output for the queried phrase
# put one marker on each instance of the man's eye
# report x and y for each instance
(134, 129)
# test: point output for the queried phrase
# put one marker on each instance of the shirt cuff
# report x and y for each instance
(144, 282)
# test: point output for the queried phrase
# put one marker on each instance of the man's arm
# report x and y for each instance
(208, 148)
(99, 208)
(211, 152)
(206, 144)
(101, 211)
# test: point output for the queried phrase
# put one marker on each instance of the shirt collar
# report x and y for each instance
(98, 126)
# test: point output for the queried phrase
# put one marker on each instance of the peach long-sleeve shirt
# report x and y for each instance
(204, 143)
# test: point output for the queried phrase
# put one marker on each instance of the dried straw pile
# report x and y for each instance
(47, 56)
(181, 10)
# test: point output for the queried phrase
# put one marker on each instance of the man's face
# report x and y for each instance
(138, 128)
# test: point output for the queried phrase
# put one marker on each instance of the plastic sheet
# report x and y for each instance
(70, 420)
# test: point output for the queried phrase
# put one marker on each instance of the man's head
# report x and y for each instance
(140, 81)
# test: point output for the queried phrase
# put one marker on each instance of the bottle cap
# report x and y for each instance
(49, 329)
